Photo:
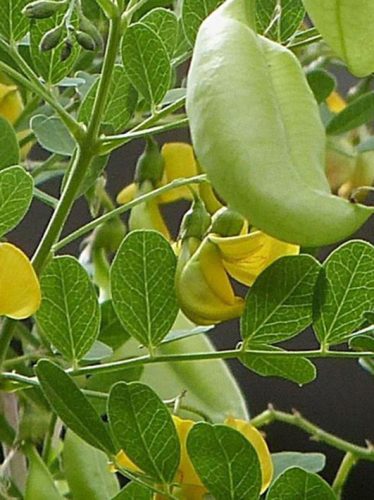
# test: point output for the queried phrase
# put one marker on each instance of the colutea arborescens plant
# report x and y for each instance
(110, 385)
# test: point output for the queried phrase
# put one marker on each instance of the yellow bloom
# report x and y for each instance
(335, 102)
(180, 162)
(204, 291)
(191, 487)
(11, 107)
(19, 285)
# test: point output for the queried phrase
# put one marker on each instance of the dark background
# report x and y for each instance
(340, 400)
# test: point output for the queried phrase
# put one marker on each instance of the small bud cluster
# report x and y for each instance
(87, 35)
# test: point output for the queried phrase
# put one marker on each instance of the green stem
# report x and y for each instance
(348, 462)
(47, 444)
(128, 206)
(6, 335)
(116, 141)
(45, 198)
(296, 420)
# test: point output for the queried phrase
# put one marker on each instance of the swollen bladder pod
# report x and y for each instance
(257, 132)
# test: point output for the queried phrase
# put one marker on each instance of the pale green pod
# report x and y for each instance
(256, 130)
(348, 28)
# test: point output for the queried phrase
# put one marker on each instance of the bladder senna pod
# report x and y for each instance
(348, 27)
(256, 130)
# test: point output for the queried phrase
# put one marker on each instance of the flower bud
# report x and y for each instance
(196, 221)
(51, 39)
(42, 9)
(66, 51)
(150, 166)
(226, 222)
(85, 40)
(86, 26)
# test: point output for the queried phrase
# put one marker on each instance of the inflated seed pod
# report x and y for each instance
(42, 9)
(66, 51)
(88, 27)
(256, 129)
(348, 27)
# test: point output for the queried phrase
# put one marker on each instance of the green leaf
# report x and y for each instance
(121, 103)
(322, 84)
(146, 62)
(165, 24)
(50, 65)
(357, 113)
(183, 48)
(112, 332)
(13, 24)
(69, 315)
(367, 364)
(134, 491)
(52, 135)
(39, 482)
(366, 145)
(344, 292)
(193, 14)
(273, 314)
(175, 335)
(9, 149)
(70, 404)
(297, 484)
(86, 470)
(199, 380)
(16, 192)
(142, 426)
(142, 283)
(225, 461)
(279, 19)
(294, 368)
(363, 341)
(310, 462)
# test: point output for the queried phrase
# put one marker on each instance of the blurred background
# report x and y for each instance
(340, 401)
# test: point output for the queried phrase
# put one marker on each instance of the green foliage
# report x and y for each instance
(322, 84)
(344, 293)
(16, 191)
(295, 368)
(40, 483)
(70, 404)
(134, 491)
(146, 62)
(273, 315)
(69, 316)
(226, 462)
(279, 19)
(193, 14)
(52, 135)
(87, 471)
(142, 282)
(163, 22)
(142, 427)
(121, 101)
(10, 153)
(297, 483)
(310, 462)
(13, 24)
(357, 113)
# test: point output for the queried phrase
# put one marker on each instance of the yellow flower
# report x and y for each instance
(11, 107)
(203, 286)
(335, 102)
(191, 487)
(19, 285)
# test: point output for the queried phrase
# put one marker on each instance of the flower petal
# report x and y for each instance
(127, 194)
(203, 288)
(258, 442)
(19, 286)
(11, 105)
(179, 162)
(186, 472)
(335, 102)
(246, 257)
